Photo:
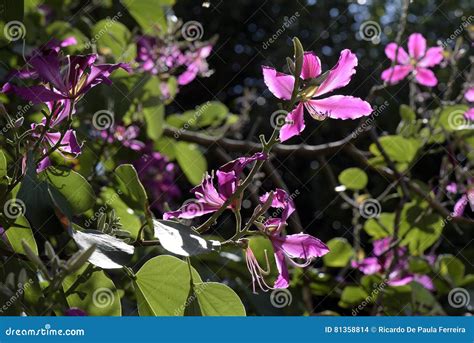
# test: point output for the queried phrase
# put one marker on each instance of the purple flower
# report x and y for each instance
(417, 61)
(469, 96)
(158, 175)
(461, 204)
(156, 56)
(209, 198)
(382, 262)
(67, 144)
(196, 64)
(64, 78)
(319, 107)
(126, 135)
(290, 248)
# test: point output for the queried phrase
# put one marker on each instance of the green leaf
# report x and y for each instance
(130, 185)
(109, 253)
(129, 218)
(352, 295)
(21, 230)
(418, 228)
(73, 186)
(216, 299)
(181, 240)
(380, 227)
(191, 161)
(62, 30)
(398, 148)
(340, 253)
(353, 178)
(112, 38)
(407, 113)
(163, 285)
(3, 167)
(92, 291)
(154, 118)
(451, 268)
(148, 14)
(452, 118)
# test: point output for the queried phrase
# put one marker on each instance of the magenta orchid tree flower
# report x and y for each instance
(312, 96)
(127, 135)
(209, 198)
(467, 197)
(156, 56)
(382, 261)
(66, 143)
(290, 248)
(416, 62)
(158, 175)
(65, 78)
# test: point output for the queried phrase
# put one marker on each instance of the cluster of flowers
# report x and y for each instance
(393, 262)
(162, 57)
(63, 81)
(209, 198)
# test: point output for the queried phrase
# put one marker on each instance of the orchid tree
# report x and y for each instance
(111, 203)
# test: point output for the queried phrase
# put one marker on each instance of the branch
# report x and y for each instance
(389, 174)
(247, 147)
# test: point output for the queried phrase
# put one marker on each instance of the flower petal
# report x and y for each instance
(311, 66)
(68, 143)
(191, 210)
(280, 84)
(368, 266)
(35, 94)
(433, 57)
(416, 46)
(469, 95)
(283, 280)
(341, 74)
(48, 68)
(294, 123)
(338, 107)
(300, 245)
(426, 77)
(391, 52)
(395, 74)
(460, 206)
